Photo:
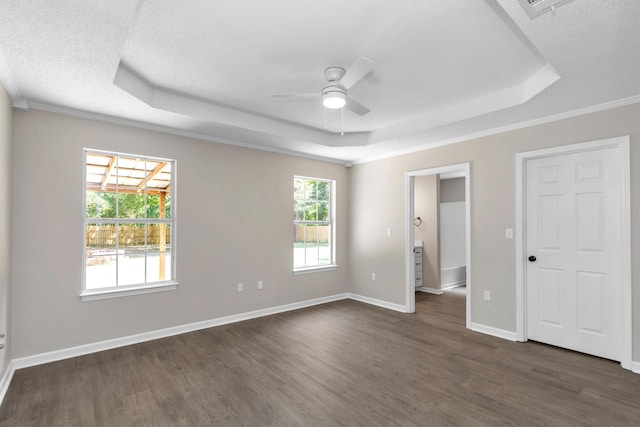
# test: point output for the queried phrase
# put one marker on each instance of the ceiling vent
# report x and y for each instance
(538, 7)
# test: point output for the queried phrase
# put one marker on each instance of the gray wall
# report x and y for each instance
(6, 115)
(234, 224)
(493, 209)
(427, 206)
(452, 190)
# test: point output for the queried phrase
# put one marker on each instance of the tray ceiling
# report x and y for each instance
(443, 69)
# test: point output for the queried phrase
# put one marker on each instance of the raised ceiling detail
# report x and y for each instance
(444, 69)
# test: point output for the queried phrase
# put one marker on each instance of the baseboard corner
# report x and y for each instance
(430, 290)
(6, 380)
(378, 302)
(635, 367)
(496, 332)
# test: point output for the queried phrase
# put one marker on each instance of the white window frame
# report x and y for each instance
(332, 223)
(134, 289)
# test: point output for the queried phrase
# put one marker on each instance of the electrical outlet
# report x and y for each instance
(487, 295)
(240, 287)
(389, 231)
(259, 284)
(373, 276)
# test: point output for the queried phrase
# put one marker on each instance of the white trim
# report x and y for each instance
(52, 356)
(98, 294)
(410, 296)
(221, 140)
(621, 143)
(409, 259)
(450, 286)
(6, 380)
(172, 131)
(430, 290)
(635, 367)
(377, 302)
(507, 128)
(81, 350)
(490, 330)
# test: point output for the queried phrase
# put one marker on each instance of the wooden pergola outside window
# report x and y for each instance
(127, 215)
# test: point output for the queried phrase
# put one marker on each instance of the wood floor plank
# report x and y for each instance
(338, 364)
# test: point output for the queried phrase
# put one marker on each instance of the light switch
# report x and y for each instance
(389, 231)
(509, 233)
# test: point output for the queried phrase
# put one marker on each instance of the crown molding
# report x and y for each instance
(507, 128)
(164, 129)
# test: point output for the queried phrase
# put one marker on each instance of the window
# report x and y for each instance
(128, 224)
(313, 224)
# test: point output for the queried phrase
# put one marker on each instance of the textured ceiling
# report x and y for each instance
(444, 69)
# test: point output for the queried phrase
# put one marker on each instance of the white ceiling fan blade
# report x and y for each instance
(356, 107)
(356, 72)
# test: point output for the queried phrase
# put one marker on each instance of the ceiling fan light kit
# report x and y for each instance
(333, 97)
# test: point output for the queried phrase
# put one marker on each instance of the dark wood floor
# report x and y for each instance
(343, 363)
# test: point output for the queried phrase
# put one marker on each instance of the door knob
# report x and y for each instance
(532, 258)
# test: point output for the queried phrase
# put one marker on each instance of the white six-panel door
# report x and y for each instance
(573, 285)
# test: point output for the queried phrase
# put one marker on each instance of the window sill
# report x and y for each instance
(98, 294)
(314, 269)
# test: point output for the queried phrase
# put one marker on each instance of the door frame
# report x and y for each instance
(410, 268)
(626, 305)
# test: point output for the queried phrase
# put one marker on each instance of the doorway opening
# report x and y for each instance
(438, 246)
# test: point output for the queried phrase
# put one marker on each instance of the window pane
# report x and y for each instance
(100, 203)
(100, 259)
(158, 205)
(298, 246)
(131, 205)
(158, 252)
(168, 206)
(311, 247)
(298, 255)
(299, 211)
(311, 254)
(131, 254)
(323, 211)
(298, 189)
(324, 191)
(310, 211)
(324, 244)
(311, 190)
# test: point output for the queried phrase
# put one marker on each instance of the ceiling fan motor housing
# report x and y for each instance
(333, 74)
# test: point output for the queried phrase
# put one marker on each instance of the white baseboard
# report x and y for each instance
(430, 290)
(490, 330)
(453, 285)
(378, 302)
(6, 380)
(81, 350)
(635, 367)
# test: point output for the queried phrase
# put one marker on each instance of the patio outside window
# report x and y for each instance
(128, 222)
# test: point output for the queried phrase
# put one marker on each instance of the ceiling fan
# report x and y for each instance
(335, 93)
